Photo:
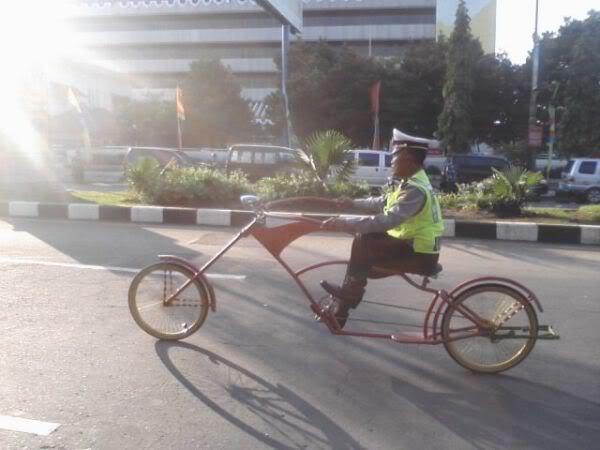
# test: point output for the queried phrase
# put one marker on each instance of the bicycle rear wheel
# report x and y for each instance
(510, 330)
(172, 320)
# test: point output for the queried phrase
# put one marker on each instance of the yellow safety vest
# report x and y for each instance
(427, 226)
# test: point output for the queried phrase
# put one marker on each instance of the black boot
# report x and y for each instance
(348, 295)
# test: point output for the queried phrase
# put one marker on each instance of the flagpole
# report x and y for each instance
(376, 143)
(375, 88)
(179, 139)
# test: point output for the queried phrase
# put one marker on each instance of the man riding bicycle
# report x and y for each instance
(403, 234)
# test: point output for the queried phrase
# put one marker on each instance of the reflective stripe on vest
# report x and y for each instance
(427, 226)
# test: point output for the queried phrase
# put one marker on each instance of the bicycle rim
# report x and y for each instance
(175, 319)
(504, 309)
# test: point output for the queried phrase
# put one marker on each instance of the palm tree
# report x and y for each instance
(510, 187)
(327, 153)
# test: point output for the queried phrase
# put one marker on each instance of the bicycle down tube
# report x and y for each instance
(243, 233)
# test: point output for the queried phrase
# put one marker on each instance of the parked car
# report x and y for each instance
(435, 162)
(581, 178)
(258, 161)
(161, 155)
(557, 166)
(375, 167)
(469, 168)
(215, 157)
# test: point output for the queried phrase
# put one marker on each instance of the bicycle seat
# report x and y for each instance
(391, 270)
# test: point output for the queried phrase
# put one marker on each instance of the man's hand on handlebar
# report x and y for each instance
(337, 224)
(304, 203)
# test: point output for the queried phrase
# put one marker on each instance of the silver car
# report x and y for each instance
(582, 178)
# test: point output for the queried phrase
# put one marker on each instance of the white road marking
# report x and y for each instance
(4, 260)
(27, 425)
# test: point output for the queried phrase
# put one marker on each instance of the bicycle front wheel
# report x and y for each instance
(160, 317)
(507, 330)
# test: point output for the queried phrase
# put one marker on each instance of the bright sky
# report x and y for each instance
(516, 22)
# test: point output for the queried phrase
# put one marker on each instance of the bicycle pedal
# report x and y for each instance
(319, 311)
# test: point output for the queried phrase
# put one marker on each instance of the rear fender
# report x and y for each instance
(526, 292)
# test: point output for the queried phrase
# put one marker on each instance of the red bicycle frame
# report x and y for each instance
(276, 239)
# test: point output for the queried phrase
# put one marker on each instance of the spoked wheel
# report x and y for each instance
(175, 319)
(507, 328)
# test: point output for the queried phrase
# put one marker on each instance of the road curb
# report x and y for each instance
(500, 230)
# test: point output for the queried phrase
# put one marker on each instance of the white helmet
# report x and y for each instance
(399, 137)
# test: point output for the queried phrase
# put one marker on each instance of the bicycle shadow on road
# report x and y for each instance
(503, 411)
(292, 422)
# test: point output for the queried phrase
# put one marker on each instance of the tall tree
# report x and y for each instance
(328, 89)
(216, 113)
(500, 100)
(412, 89)
(455, 121)
(146, 122)
(579, 126)
(569, 59)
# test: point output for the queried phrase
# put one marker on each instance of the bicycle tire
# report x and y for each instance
(518, 352)
(199, 304)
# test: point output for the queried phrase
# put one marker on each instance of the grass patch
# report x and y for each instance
(590, 213)
(549, 213)
(106, 198)
(585, 214)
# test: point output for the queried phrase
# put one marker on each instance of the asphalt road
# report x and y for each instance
(261, 373)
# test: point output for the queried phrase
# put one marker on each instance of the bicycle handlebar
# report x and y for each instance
(296, 202)
(261, 209)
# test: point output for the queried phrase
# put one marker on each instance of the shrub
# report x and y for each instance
(351, 190)
(293, 185)
(143, 178)
(306, 184)
(469, 197)
(505, 192)
(190, 186)
(185, 186)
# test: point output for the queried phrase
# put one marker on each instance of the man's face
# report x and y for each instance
(403, 163)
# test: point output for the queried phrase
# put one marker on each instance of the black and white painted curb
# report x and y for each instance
(510, 231)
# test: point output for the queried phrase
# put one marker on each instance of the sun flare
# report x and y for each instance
(36, 40)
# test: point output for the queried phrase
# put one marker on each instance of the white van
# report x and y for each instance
(372, 166)
(582, 178)
(375, 167)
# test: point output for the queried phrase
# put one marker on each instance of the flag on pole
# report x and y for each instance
(179, 102)
(73, 100)
(180, 114)
(374, 94)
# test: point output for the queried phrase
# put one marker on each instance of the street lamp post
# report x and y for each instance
(289, 12)
(285, 44)
(533, 133)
